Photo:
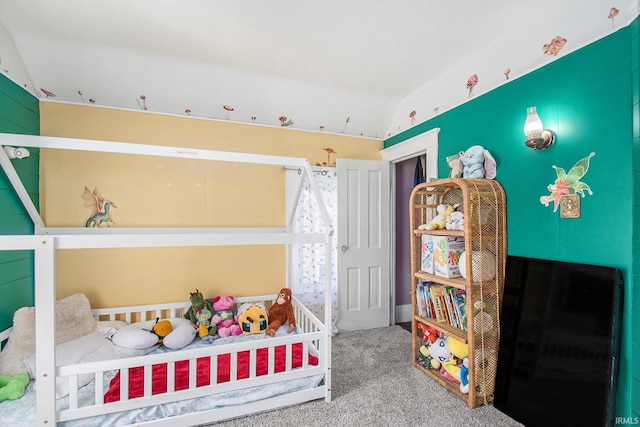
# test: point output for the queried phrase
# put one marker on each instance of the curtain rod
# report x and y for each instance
(322, 172)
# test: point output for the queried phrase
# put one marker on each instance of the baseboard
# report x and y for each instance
(403, 313)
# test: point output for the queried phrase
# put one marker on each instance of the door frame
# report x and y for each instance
(424, 143)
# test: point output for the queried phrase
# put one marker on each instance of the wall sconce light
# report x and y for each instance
(16, 152)
(538, 137)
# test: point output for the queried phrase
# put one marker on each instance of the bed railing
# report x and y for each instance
(311, 334)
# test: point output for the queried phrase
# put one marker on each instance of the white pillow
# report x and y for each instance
(182, 334)
(136, 336)
(93, 347)
(74, 319)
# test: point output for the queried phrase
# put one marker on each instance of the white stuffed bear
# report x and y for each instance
(455, 221)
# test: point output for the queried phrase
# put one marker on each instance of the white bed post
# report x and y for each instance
(45, 303)
(328, 304)
(328, 310)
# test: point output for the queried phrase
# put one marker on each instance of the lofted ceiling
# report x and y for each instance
(343, 66)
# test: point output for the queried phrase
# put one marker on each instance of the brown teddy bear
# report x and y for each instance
(280, 312)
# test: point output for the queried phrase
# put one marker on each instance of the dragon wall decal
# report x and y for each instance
(100, 208)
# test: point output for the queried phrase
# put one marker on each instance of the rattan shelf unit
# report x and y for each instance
(483, 204)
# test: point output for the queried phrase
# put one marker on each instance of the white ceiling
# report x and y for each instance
(347, 65)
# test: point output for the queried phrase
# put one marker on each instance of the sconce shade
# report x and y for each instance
(533, 124)
(538, 137)
(16, 152)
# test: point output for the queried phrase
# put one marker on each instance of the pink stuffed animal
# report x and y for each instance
(224, 317)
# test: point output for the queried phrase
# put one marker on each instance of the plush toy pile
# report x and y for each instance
(216, 318)
(446, 354)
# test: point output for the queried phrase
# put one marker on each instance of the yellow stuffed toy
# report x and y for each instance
(440, 220)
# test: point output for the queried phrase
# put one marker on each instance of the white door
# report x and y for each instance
(363, 244)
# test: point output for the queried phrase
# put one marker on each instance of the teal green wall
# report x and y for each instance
(634, 331)
(19, 113)
(586, 97)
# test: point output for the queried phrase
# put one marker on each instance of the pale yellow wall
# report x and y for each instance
(155, 191)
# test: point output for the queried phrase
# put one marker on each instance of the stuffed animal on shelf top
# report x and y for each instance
(281, 312)
(476, 163)
(224, 317)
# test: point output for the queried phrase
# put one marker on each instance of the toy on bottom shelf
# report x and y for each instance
(253, 318)
(446, 354)
(224, 317)
(281, 312)
(12, 387)
(437, 351)
(457, 368)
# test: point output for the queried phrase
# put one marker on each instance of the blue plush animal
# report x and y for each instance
(476, 163)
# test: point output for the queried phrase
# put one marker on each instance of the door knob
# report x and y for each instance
(344, 248)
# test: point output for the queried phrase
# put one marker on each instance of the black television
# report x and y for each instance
(559, 343)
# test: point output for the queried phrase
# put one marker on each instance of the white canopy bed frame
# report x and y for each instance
(47, 240)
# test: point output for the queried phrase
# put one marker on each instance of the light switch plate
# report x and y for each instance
(570, 206)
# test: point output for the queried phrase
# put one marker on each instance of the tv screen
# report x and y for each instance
(559, 343)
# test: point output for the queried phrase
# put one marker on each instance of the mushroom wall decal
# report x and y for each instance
(471, 83)
(412, 117)
(612, 14)
(507, 71)
(227, 110)
(142, 102)
(345, 124)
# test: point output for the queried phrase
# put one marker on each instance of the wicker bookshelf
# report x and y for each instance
(483, 204)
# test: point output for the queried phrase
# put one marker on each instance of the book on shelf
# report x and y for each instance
(459, 298)
(437, 296)
(443, 303)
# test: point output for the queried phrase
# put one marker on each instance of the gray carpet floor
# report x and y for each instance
(375, 384)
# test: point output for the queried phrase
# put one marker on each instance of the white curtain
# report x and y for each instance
(307, 261)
